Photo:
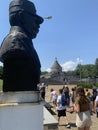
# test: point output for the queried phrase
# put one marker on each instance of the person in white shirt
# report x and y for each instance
(53, 97)
(96, 104)
(61, 109)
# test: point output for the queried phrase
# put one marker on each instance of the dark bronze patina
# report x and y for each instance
(20, 60)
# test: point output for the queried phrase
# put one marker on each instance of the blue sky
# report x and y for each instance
(71, 35)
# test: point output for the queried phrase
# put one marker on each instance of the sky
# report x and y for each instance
(71, 35)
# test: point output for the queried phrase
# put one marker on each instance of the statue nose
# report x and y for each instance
(40, 20)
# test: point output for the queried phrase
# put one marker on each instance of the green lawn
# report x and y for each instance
(1, 84)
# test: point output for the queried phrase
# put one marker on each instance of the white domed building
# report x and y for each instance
(56, 68)
(55, 76)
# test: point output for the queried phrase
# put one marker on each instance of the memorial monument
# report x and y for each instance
(20, 60)
(20, 104)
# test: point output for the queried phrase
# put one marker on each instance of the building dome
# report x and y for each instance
(56, 68)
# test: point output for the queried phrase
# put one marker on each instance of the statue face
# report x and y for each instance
(31, 24)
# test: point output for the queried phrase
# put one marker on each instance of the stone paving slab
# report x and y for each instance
(72, 118)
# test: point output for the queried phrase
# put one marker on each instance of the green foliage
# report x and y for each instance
(97, 85)
(85, 70)
(1, 82)
(89, 70)
(71, 73)
(43, 73)
(96, 67)
(1, 72)
(86, 85)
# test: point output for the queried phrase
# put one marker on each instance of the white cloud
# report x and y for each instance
(48, 70)
(79, 61)
(69, 65)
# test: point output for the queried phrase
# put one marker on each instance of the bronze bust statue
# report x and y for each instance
(21, 64)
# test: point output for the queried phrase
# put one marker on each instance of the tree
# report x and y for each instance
(1, 72)
(43, 73)
(96, 67)
(85, 70)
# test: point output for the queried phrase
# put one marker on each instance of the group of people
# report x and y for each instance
(57, 103)
(93, 99)
(81, 100)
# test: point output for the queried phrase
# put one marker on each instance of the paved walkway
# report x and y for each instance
(71, 117)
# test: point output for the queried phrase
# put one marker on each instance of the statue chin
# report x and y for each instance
(34, 34)
(31, 32)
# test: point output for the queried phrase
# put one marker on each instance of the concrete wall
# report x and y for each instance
(21, 117)
(50, 123)
(24, 111)
(21, 111)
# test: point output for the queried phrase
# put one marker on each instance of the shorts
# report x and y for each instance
(83, 119)
(54, 99)
(94, 97)
(61, 113)
(73, 100)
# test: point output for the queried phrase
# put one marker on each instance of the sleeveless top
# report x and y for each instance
(83, 103)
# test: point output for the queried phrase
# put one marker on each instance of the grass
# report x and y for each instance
(1, 82)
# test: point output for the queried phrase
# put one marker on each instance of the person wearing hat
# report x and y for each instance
(21, 62)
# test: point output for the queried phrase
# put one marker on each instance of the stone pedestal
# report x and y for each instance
(21, 111)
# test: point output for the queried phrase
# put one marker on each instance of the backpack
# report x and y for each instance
(63, 100)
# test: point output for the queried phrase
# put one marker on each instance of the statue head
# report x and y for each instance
(23, 13)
